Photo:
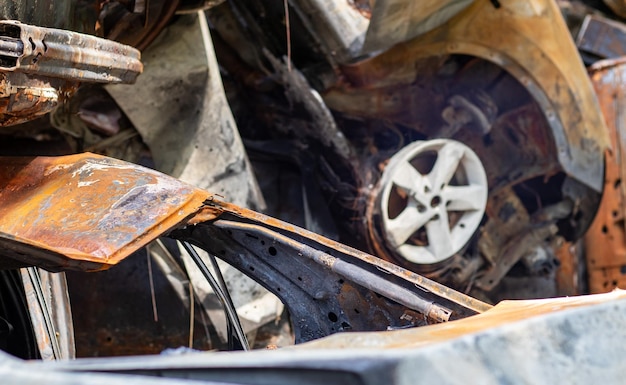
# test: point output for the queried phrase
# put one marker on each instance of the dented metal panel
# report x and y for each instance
(85, 211)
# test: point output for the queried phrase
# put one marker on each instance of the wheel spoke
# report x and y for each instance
(447, 162)
(464, 198)
(408, 178)
(404, 225)
(439, 237)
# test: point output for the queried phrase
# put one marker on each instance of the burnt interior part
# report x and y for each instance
(111, 322)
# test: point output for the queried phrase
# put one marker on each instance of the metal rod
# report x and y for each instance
(231, 313)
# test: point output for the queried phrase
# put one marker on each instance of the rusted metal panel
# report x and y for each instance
(605, 241)
(530, 40)
(86, 211)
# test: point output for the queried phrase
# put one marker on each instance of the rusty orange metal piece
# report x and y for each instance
(85, 212)
(605, 241)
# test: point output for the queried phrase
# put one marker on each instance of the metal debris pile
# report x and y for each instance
(321, 167)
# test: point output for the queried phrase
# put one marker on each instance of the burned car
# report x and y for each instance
(465, 145)
(464, 152)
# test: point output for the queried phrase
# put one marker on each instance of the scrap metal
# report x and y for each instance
(605, 241)
(103, 209)
(39, 67)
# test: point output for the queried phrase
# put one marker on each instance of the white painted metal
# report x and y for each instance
(456, 183)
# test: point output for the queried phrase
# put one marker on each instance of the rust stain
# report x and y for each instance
(567, 281)
(605, 241)
(86, 211)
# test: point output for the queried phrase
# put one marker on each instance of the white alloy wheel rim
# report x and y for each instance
(445, 204)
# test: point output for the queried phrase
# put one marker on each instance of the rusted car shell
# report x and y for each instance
(85, 211)
(88, 212)
(605, 241)
(531, 41)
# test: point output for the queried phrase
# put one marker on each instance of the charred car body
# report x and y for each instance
(463, 148)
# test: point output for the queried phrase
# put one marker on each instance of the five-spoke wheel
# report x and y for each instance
(433, 198)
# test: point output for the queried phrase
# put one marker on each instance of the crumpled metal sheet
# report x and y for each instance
(105, 215)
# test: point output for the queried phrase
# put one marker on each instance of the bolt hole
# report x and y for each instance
(436, 201)
(332, 316)
(615, 213)
(605, 229)
(278, 289)
(462, 225)
(299, 278)
(357, 311)
(263, 243)
(251, 268)
(426, 189)
(272, 250)
(340, 281)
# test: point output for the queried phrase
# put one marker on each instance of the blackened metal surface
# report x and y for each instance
(320, 302)
(216, 208)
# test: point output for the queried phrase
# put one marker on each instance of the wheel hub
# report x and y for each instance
(433, 197)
